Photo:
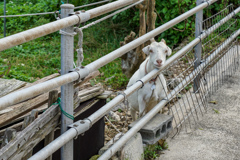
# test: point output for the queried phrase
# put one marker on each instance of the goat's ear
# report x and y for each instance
(169, 51)
(147, 50)
(152, 40)
(163, 41)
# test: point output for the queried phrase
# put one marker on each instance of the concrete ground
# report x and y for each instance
(217, 134)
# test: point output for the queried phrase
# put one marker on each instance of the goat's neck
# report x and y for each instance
(149, 66)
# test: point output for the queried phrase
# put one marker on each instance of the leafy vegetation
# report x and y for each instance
(154, 151)
(41, 57)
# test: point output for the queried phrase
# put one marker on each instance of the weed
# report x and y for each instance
(165, 145)
(216, 111)
(119, 110)
(152, 151)
(188, 87)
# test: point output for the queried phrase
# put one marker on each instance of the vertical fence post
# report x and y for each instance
(198, 47)
(4, 18)
(67, 43)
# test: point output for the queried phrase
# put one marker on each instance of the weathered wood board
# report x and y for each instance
(9, 85)
(31, 135)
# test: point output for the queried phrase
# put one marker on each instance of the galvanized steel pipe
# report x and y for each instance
(67, 90)
(43, 30)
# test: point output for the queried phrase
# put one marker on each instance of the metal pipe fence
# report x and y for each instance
(83, 72)
(92, 119)
(32, 14)
(92, 4)
(180, 110)
(115, 147)
(76, 18)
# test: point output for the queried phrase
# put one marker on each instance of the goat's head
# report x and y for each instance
(157, 52)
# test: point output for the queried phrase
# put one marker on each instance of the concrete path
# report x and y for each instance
(217, 134)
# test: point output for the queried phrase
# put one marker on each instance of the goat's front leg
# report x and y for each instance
(142, 106)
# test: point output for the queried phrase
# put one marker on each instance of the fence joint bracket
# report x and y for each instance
(84, 72)
(81, 126)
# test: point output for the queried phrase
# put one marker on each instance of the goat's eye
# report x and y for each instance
(166, 51)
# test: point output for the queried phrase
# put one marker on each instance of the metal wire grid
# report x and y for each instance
(185, 105)
(214, 40)
(184, 102)
(221, 68)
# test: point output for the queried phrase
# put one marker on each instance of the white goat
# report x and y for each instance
(152, 92)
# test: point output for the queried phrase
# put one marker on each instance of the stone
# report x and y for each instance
(133, 149)
(114, 116)
(156, 129)
(110, 143)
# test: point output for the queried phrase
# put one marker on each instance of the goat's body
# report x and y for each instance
(146, 98)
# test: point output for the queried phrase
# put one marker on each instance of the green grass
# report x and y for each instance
(101, 40)
(153, 151)
(41, 57)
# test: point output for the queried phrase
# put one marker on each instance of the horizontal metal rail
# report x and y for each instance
(92, 4)
(80, 128)
(32, 14)
(43, 30)
(111, 15)
(144, 120)
(30, 92)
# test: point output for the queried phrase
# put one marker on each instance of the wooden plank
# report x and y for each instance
(26, 86)
(5, 110)
(39, 136)
(92, 95)
(30, 119)
(17, 120)
(17, 127)
(105, 95)
(53, 96)
(87, 94)
(44, 79)
(84, 107)
(89, 91)
(23, 108)
(7, 86)
(8, 136)
(31, 135)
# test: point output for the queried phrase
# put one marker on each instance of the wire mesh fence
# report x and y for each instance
(187, 106)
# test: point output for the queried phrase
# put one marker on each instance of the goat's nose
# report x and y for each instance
(159, 61)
